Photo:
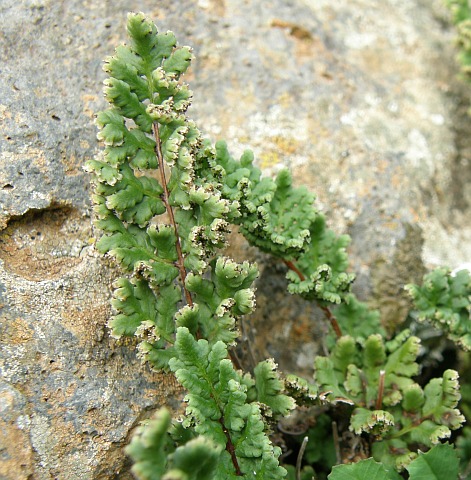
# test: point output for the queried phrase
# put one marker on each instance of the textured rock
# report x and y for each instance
(360, 99)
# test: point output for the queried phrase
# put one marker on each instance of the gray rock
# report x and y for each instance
(360, 99)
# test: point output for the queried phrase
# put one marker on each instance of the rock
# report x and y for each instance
(360, 99)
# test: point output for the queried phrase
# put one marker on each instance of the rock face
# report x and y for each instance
(360, 99)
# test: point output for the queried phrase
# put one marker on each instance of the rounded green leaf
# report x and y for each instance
(365, 469)
(439, 463)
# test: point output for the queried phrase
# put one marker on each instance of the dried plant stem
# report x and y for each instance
(300, 457)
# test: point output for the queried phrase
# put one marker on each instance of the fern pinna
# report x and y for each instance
(165, 199)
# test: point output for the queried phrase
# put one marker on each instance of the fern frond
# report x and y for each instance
(323, 266)
(444, 300)
(217, 406)
(377, 373)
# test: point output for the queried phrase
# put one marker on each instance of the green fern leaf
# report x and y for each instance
(136, 304)
(104, 173)
(356, 320)
(323, 267)
(156, 458)
(411, 416)
(330, 388)
(119, 94)
(216, 403)
(125, 144)
(134, 200)
(444, 300)
(376, 422)
(126, 66)
(178, 62)
(151, 47)
(441, 397)
(229, 276)
(196, 460)
(280, 220)
(150, 446)
(437, 464)
(399, 368)
(269, 388)
(303, 392)
(365, 469)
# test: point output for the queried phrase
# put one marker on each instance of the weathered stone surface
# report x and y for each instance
(69, 394)
(360, 99)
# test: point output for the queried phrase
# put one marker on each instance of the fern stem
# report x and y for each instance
(379, 399)
(235, 360)
(168, 207)
(230, 448)
(332, 320)
(410, 427)
(292, 266)
(330, 316)
(229, 445)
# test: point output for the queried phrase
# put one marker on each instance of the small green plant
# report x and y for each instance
(165, 200)
(376, 380)
(461, 15)
(444, 301)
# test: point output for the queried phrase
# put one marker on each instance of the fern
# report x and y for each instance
(444, 299)
(323, 267)
(363, 469)
(154, 453)
(376, 379)
(439, 463)
(217, 407)
(165, 230)
(165, 200)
